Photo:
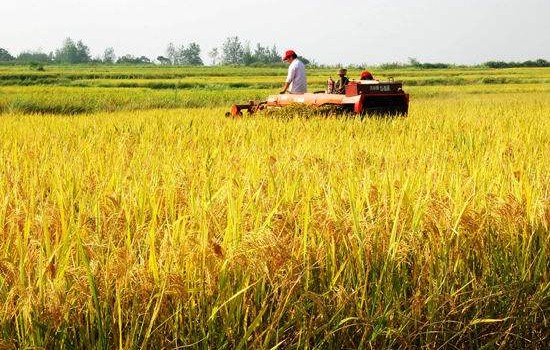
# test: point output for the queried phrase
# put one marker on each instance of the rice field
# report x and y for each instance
(134, 215)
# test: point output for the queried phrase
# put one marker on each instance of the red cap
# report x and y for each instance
(366, 75)
(288, 54)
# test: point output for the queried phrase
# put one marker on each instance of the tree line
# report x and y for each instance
(500, 64)
(414, 63)
(232, 52)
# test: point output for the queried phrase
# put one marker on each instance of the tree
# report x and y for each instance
(261, 54)
(33, 56)
(67, 53)
(82, 52)
(542, 63)
(247, 57)
(265, 55)
(144, 60)
(163, 60)
(233, 51)
(213, 54)
(274, 55)
(5, 55)
(171, 53)
(191, 55)
(72, 52)
(130, 59)
(109, 55)
(414, 62)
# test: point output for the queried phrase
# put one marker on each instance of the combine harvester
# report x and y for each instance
(362, 97)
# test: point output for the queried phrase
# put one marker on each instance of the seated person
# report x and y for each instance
(365, 75)
(340, 84)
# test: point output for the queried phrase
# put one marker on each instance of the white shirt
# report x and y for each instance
(297, 77)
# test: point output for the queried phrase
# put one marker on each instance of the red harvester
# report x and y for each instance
(364, 97)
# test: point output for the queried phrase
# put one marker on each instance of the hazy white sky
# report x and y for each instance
(328, 31)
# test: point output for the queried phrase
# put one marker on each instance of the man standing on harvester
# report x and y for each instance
(296, 82)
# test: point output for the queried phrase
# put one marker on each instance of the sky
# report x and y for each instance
(360, 32)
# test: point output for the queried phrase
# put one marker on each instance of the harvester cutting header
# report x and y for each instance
(365, 96)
